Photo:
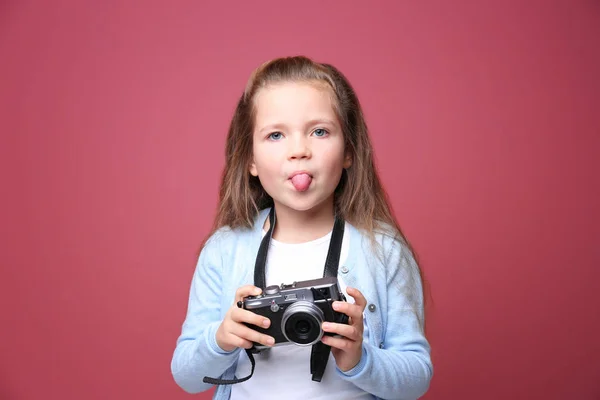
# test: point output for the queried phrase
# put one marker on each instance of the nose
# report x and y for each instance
(299, 148)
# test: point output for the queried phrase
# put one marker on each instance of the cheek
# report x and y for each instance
(334, 158)
(265, 161)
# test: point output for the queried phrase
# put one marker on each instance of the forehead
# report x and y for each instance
(293, 102)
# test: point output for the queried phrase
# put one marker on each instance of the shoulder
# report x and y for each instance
(227, 237)
(219, 250)
(384, 242)
(387, 252)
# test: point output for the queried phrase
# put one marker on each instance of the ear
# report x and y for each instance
(252, 169)
(347, 160)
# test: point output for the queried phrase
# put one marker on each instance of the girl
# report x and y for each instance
(298, 144)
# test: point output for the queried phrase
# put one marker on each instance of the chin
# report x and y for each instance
(303, 205)
(295, 206)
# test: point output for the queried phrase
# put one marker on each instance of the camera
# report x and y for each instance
(297, 310)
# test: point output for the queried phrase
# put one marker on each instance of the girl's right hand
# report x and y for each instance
(232, 333)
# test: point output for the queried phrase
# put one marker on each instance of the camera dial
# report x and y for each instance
(273, 289)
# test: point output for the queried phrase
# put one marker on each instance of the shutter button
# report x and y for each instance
(344, 270)
(372, 307)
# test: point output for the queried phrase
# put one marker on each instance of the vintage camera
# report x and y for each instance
(297, 310)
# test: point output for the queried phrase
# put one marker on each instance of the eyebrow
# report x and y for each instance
(312, 122)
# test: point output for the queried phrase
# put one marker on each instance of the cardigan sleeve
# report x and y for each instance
(196, 353)
(402, 369)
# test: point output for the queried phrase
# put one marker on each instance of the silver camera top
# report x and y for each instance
(293, 292)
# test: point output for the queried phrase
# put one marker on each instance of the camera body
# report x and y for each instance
(297, 310)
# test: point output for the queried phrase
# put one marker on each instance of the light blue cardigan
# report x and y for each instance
(395, 361)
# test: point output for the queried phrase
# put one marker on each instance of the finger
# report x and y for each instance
(241, 315)
(338, 342)
(359, 299)
(239, 342)
(354, 311)
(245, 291)
(351, 332)
(242, 331)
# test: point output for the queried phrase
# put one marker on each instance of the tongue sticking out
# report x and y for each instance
(301, 182)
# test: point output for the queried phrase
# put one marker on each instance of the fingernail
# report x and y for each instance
(266, 323)
(257, 290)
(271, 340)
(326, 325)
(336, 305)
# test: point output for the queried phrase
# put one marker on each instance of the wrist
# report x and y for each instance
(219, 346)
(357, 368)
(349, 365)
(222, 347)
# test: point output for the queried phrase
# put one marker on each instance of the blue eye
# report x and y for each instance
(275, 136)
(320, 132)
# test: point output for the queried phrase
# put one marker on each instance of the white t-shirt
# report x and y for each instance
(284, 371)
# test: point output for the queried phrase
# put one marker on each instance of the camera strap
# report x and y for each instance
(331, 262)
(320, 351)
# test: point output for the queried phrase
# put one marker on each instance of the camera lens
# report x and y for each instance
(302, 327)
(301, 323)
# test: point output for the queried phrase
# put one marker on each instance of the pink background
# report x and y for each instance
(113, 120)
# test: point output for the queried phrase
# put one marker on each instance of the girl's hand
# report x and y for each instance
(347, 350)
(232, 333)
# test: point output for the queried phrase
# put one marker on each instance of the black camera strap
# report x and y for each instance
(260, 279)
(331, 262)
(320, 351)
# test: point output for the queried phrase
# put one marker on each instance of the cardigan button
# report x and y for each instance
(381, 345)
(344, 270)
(372, 307)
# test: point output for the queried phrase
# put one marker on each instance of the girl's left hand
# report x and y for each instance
(347, 349)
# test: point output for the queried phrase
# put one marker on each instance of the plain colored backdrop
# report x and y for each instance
(486, 126)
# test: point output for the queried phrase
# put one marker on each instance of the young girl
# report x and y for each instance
(298, 143)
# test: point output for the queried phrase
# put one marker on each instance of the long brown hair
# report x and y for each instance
(360, 197)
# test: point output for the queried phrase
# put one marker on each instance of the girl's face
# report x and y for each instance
(298, 145)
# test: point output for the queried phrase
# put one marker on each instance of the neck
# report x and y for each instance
(294, 226)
